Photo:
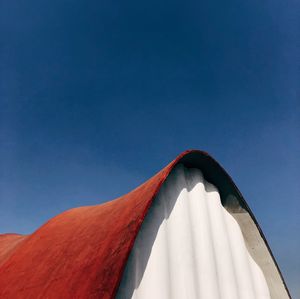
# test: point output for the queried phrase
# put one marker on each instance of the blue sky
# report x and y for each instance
(97, 96)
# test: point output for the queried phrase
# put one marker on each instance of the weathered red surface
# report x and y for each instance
(8, 244)
(80, 253)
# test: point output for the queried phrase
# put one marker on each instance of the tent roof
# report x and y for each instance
(82, 252)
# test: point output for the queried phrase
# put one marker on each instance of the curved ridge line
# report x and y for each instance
(169, 168)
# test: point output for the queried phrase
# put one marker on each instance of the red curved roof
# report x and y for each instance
(82, 252)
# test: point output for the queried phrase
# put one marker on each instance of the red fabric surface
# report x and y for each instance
(82, 252)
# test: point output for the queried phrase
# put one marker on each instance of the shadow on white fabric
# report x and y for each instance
(190, 247)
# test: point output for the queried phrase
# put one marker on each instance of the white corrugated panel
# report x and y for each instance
(190, 247)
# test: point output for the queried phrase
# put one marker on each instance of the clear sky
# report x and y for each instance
(97, 96)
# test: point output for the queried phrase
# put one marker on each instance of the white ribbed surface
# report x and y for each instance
(190, 247)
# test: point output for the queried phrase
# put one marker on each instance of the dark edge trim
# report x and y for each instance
(215, 174)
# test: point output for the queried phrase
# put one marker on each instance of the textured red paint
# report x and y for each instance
(8, 244)
(80, 253)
